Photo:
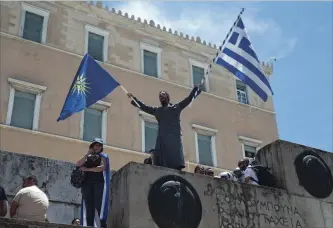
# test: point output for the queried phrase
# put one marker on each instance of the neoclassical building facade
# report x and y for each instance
(42, 44)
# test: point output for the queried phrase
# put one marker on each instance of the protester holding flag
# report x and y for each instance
(168, 148)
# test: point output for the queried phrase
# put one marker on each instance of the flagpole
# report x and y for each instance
(220, 49)
(123, 88)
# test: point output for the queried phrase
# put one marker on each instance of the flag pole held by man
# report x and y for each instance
(91, 84)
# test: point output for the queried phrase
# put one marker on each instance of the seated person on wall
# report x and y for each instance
(239, 171)
(96, 185)
(199, 169)
(238, 175)
(150, 160)
(225, 176)
(76, 222)
(250, 176)
(3, 202)
(30, 202)
(209, 172)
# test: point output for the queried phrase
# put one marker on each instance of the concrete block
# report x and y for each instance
(141, 197)
(281, 156)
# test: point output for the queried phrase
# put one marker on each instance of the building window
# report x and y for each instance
(205, 145)
(149, 131)
(150, 60)
(23, 110)
(249, 146)
(94, 121)
(241, 92)
(34, 23)
(24, 104)
(198, 71)
(96, 43)
(249, 151)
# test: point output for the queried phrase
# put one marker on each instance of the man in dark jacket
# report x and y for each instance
(168, 147)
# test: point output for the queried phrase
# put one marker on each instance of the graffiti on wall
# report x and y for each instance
(239, 208)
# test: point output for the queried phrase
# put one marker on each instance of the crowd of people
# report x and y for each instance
(243, 173)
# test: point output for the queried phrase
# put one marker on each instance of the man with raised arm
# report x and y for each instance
(168, 148)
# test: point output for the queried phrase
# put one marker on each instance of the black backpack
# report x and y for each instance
(265, 178)
(77, 178)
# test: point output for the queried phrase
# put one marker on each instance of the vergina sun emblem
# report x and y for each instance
(81, 86)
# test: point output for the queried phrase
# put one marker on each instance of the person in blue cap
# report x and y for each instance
(96, 185)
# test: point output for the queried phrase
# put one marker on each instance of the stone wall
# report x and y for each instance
(281, 157)
(53, 178)
(216, 203)
(16, 223)
(138, 202)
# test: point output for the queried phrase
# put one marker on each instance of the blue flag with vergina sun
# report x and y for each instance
(91, 84)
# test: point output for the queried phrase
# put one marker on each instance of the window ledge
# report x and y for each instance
(96, 30)
(26, 86)
(199, 64)
(250, 140)
(101, 105)
(151, 48)
(198, 127)
(34, 9)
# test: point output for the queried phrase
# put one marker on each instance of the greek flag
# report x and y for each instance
(238, 56)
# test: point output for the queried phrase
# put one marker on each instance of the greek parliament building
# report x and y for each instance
(42, 44)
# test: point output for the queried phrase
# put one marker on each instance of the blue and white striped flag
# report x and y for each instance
(238, 56)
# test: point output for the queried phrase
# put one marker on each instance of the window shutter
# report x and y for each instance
(92, 124)
(23, 110)
(151, 131)
(205, 150)
(150, 63)
(96, 46)
(33, 27)
(198, 74)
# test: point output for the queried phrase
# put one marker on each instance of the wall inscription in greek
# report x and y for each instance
(239, 210)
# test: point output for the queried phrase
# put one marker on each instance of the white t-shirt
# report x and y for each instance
(249, 172)
(32, 204)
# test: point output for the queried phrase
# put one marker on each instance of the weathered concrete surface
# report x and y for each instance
(280, 157)
(225, 204)
(16, 223)
(53, 178)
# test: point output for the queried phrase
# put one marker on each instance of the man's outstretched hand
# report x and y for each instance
(130, 95)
